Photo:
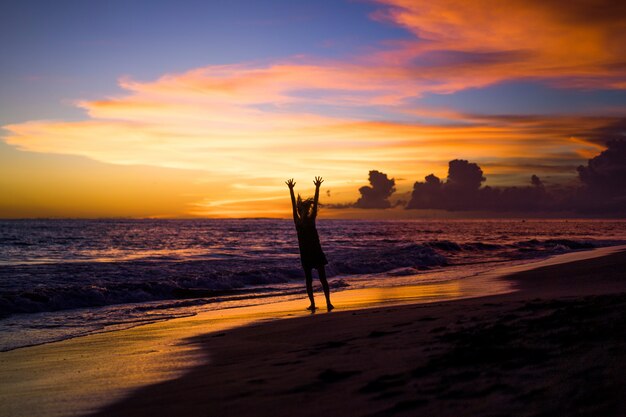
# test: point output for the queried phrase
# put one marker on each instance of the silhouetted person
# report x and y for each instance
(311, 254)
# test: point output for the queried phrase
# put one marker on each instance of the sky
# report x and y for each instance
(204, 108)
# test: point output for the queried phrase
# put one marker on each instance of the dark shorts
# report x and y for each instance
(313, 260)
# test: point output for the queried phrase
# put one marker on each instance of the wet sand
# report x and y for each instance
(554, 347)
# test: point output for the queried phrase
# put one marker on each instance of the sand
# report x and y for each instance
(550, 342)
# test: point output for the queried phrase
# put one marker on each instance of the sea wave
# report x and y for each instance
(67, 278)
(99, 284)
(55, 287)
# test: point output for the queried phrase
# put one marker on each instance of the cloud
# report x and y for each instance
(306, 116)
(472, 44)
(462, 191)
(237, 140)
(463, 183)
(221, 118)
(464, 176)
(607, 171)
(603, 179)
(459, 192)
(377, 194)
(428, 194)
(608, 132)
(271, 145)
(536, 181)
(601, 189)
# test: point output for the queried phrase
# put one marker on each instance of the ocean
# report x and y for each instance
(67, 278)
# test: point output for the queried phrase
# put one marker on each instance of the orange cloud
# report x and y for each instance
(160, 126)
(257, 124)
(462, 44)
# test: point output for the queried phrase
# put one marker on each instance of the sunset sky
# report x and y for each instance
(204, 108)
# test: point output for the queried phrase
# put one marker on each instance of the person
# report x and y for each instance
(311, 254)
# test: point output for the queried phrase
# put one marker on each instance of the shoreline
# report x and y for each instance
(560, 351)
(450, 273)
(180, 343)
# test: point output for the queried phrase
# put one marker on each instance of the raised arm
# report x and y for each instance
(290, 183)
(318, 181)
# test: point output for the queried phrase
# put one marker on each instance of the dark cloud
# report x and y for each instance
(450, 58)
(606, 172)
(533, 197)
(377, 194)
(459, 192)
(555, 166)
(604, 180)
(464, 176)
(600, 188)
(428, 194)
(462, 191)
(589, 12)
(611, 131)
(461, 188)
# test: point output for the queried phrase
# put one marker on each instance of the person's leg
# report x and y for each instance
(322, 273)
(308, 273)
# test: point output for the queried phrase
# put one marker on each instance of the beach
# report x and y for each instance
(548, 340)
(300, 208)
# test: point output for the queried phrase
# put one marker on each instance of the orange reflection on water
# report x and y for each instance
(95, 370)
(394, 295)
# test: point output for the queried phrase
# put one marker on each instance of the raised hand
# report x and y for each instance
(318, 181)
(290, 183)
